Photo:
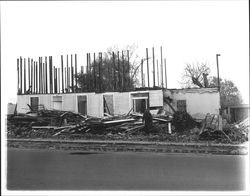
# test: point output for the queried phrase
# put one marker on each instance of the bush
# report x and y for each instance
(183, 121)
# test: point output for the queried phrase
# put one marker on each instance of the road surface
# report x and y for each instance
(63, 170)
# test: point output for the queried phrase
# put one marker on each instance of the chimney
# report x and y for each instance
(205, 80)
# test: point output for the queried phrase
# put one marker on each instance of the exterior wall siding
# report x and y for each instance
(198, 101)
(122, 101)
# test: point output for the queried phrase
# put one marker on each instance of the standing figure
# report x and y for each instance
(147, 119)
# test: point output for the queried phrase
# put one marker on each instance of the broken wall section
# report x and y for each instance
(93, 104)
(196, 101)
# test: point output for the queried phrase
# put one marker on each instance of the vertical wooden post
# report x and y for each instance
(161, 69)
(58, 79)
(128, 83)
(100, 64)
(142, 83)
(62, 74)
(36, 78)
(41, 75)
(24, 75)
(50, 75)
(119, 74)
(46, 75)
(44, 79)
(32, 74)
(39, 78)
(72, 74)
(94, 73)
(65, 79)
(68, 73)
(75, 72)
(87, 72)
(29, 76)
(123, 72)
(55, 78)
(147, 67)
(90, 78)
(21, 75)
(165, 73)
(18, 76)
(114, 76)
(158, 73)
(153, 67)
(218, 73)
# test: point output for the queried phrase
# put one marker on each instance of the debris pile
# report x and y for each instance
(45, 123)
(180, 127)
(215, 129)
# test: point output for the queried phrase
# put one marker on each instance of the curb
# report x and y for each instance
(128, 146)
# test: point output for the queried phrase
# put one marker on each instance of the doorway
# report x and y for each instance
(82, 104)
(108, 104)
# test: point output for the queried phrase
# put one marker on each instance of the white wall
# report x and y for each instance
(122, 101)
(201, 101)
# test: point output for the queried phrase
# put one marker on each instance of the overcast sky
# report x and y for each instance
(188, 31)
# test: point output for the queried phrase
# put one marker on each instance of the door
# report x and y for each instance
(57, 102)
(34, 101)
(82, 104)
(140, 105)
(108, 104)
(181, 105)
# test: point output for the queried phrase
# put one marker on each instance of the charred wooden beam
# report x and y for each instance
(17, 76)
(128, 69)
(24, 75)
(165, 73)
(32, 77)
(58, 79)
(68, 73)
(87, 72)
(29, 76)
(75, 72)
(114, 75)
(119, 74)
(72, 74)
(161, 69)
(157, 73)
(94, 73)
(153, 66)
(55, 80)
(21, 75)
(39, 74)
(142, 82)
(62, 74)
(36, 78)
(44, 79)
(123, 72)
(46, 75)
(100, 77)
(65, 79)
(51, 74)
(147, 66)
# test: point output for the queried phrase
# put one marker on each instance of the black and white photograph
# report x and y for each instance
(125, 97)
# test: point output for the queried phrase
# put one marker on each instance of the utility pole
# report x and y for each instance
(147, 67)
(218, 75)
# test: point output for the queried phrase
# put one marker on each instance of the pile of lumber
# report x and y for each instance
(213, 129)
(53, 123)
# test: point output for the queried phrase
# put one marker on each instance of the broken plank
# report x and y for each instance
(44, 127)
(118, 121)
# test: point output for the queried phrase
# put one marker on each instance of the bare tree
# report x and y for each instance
(195, 75)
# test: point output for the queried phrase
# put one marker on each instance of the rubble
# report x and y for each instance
(45, 123)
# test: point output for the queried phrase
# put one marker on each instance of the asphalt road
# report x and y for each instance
(61, 170)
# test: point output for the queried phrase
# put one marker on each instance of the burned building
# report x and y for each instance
(107, 86)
